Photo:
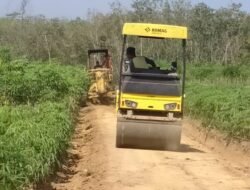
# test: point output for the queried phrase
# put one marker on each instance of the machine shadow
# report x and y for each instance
(184, 148)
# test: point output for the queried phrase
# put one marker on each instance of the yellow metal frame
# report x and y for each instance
(155, 30)
(150, 102)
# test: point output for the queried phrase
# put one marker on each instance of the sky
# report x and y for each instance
(79, 8)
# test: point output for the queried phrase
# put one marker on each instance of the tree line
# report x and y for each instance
(220, 36)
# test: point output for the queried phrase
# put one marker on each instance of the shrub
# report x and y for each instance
(221, 106)
(5, 56)
(36, 118)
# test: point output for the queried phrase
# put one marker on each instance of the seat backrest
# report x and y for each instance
(139, 62)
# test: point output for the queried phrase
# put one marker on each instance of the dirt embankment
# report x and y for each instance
(95, 163)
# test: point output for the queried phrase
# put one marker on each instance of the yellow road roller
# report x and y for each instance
(150, 96)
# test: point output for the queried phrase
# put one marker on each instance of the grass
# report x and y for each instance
(220, 97)
(36, 118)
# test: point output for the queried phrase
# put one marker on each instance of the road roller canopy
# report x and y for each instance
(155, 30)
(99, 58)
(92, 51)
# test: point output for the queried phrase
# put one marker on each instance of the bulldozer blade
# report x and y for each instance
(147, 134)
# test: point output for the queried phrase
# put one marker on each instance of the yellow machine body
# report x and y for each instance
(101, 75)
(149, 101)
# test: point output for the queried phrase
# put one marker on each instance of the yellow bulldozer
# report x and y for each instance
(151, 95)
(100, 72)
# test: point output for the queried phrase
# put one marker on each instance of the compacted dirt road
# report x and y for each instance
(95, 163)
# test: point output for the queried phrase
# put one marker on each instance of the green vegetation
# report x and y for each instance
(38, 102)
(220, 97)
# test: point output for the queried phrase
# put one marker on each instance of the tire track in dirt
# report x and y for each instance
(95, 163)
